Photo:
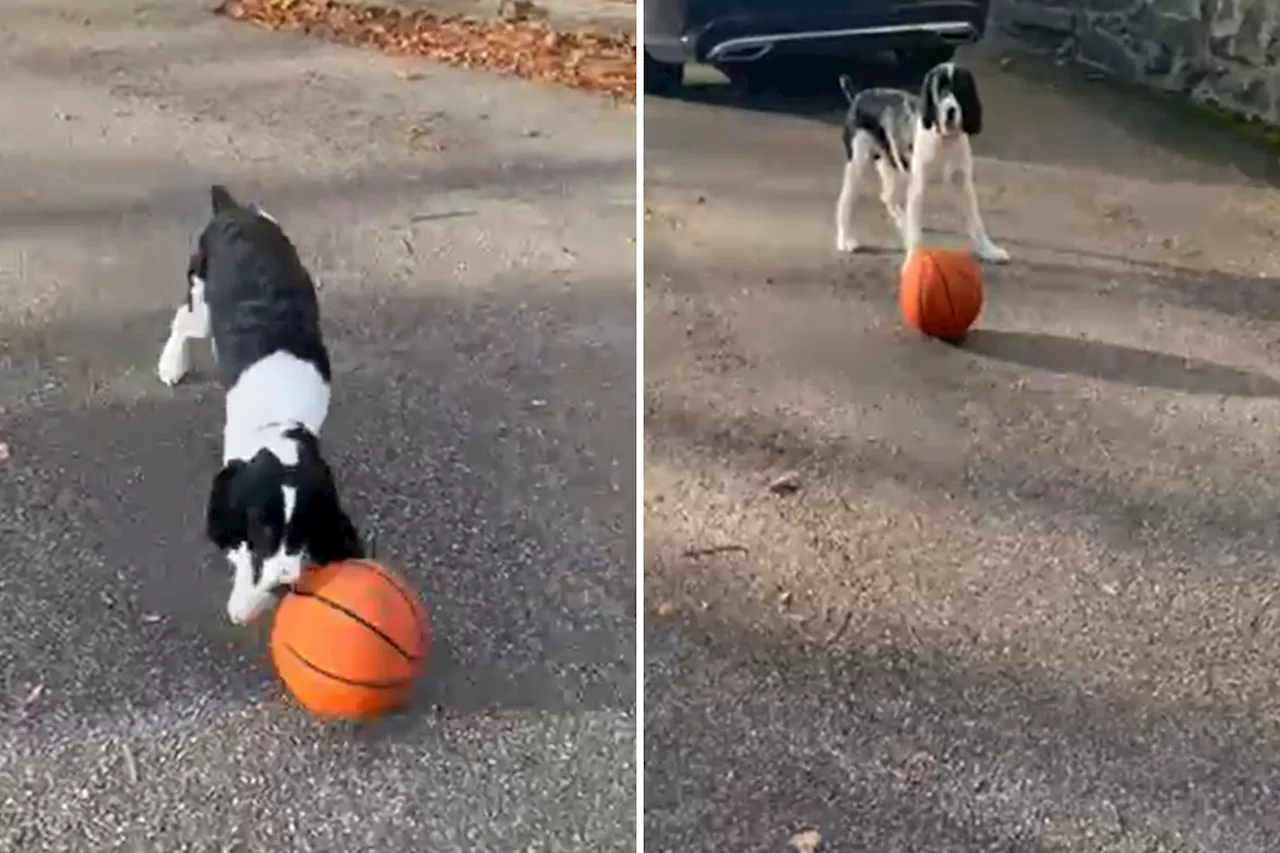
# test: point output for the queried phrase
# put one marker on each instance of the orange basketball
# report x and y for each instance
(350, 639)
(941, 292)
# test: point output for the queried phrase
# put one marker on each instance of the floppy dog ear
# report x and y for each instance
(929, 99)
(329, 534)
(965, 87)
(332, 536)
(225, 525)
(325, 530)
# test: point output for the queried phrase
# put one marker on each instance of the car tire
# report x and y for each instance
(919, 60)
(661, 78)
(750, 78)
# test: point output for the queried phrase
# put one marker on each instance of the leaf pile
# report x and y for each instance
(595, 62)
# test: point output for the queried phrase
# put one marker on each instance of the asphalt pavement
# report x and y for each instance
(473, 241)
(1018, 595)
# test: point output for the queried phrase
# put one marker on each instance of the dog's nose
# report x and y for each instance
(951, 115)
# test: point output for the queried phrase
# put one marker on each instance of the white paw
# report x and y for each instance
(846, 243)
(173, 364)
(907, 253)
(993, 253)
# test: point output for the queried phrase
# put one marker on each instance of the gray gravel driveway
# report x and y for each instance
(1026, 596)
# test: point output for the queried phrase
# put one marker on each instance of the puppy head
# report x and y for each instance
(224, 206)
(949, 101)
(274, 513)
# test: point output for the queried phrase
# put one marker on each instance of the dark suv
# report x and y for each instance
(745, 38)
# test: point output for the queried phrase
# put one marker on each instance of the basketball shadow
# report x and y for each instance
(1116, 363)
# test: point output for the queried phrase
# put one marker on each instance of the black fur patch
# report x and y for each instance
(261, 299)
(246, 504)
(329, 534)
(965, 86)
(871, 124)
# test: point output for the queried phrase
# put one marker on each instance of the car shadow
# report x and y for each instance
(1168, 122)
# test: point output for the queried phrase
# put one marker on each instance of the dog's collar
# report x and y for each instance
(279, 426)
(243, 444)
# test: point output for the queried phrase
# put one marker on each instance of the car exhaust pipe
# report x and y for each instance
(752, 48)
(743, 53)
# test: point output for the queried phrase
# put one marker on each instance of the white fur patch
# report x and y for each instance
(250, 600)
(188, 322)
(290, 495)
(277, 391)
(267, 216)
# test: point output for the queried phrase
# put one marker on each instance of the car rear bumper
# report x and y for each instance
(720, 31)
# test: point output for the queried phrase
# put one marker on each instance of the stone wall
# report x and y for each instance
(1223, 52)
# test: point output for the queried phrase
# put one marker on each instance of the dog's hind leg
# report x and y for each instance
(860, 155)
(191, 320)
(891, 192)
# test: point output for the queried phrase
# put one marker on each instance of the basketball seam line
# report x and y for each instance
(377, 685)
(408, 597)
(365, 622)
(920, 305)
(946, 288)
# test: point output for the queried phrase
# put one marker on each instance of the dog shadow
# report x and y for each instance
(1117, 363)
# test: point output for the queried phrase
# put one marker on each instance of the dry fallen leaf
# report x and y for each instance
(520, 10)
(32, 697)
(786, 484)
(807, 841)
(420, 137)
(130, 766)
(592, 61)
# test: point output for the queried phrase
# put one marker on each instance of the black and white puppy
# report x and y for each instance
(274, 503)
(909, 138)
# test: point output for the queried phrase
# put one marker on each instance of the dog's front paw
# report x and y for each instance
(992, 253)
(173, 364)
(847, 243)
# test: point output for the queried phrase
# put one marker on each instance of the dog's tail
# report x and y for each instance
(221, 199)
(896, 157)
(847, 86)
